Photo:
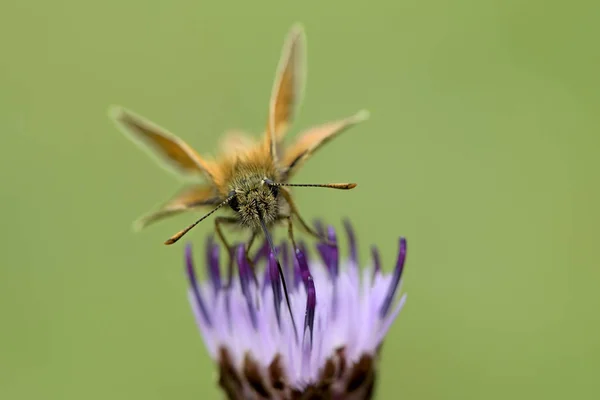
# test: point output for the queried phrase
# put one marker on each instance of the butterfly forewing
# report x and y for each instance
(171, 150)
(312, 139)
(287, 89)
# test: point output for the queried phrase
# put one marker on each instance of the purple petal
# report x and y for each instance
(297, 273)
(286, 293)
(285, 254)
(275, 285)
(263, 252)
(191, 273)
(304, 249)
(319, 227)
(302, 266)
(385, 307)
(351, 242)
(287, 261)
(245, 272)
(311, 299)
(324, 251)
(311, 305)
(334, 254)
(212, 263)
(229, 270)
(266, 282)
(376, 260)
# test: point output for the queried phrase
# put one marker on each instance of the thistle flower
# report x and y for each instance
(261, 354)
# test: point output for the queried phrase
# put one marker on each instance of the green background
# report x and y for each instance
(482, 149)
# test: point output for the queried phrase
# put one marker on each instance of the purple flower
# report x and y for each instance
(342, 315)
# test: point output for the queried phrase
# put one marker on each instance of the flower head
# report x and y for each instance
(342, 314)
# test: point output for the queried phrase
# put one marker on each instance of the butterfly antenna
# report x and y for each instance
(182, 232)
(342, 186)
(285, 289)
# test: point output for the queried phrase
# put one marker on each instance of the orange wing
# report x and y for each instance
(235, 141)
(314, 138)
(171, 150)
(189, 198)
(287, 89)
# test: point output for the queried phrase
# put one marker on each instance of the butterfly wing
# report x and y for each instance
(287, 89)
(235, 141)
(171, 150)
(311, 140)
(189, 198)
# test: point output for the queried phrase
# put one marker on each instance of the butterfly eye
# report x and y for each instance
(274, 190)
(234, 203)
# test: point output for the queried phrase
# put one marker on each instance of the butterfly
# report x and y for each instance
(250, 177)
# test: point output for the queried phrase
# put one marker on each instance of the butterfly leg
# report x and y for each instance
(291, 232)
(248, 246)
(294, 212)
(219, 221)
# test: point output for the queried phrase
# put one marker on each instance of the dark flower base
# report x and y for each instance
(337, 382)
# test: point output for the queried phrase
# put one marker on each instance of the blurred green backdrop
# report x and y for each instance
(482, 149)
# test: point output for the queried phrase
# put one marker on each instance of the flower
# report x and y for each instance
(263, 354)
